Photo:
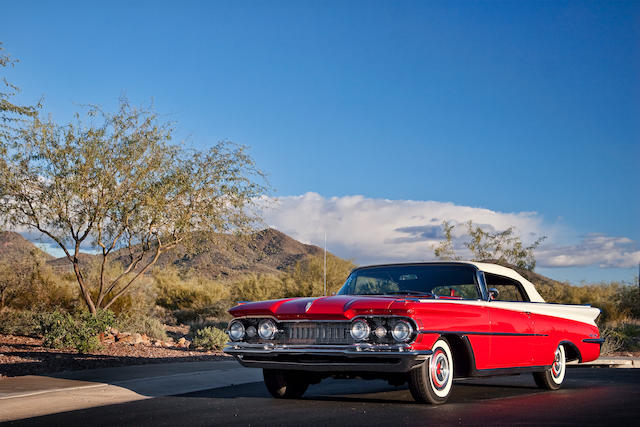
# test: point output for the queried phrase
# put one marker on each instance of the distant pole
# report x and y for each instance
(325, 263)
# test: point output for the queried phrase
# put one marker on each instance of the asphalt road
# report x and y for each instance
(590, 396)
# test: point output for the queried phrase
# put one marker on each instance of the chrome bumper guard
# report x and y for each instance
(328, 358)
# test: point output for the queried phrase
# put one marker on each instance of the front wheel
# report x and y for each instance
(431, 382)
(284, 384)
(552, 378)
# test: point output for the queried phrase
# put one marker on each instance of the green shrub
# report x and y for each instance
(216, 312)
(62, 330)
(210, 338)
(18, 322)
(622, 336)
(142, 324)
(612, 341)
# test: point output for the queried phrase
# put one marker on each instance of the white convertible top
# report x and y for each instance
(534, 296)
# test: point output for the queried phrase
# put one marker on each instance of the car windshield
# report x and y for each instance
(454, 281)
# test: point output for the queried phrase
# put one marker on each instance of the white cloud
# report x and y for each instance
(378, 230)
(594, 249)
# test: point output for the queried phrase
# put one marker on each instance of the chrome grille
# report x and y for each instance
(316, 333)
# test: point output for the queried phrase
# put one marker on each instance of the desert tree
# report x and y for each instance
(11, 114)
(445, 250)
(115, 182)
(503, 246)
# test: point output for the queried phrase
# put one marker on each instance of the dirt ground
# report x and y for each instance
(26, 356)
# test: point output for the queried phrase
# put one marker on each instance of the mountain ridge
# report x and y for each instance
(221, 256)
(212, 255)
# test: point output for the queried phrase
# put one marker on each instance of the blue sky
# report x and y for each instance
(525, 108)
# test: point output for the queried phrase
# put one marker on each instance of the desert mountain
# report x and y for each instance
(217, 255)
(212, 255)
(220, 256)
(15, 248)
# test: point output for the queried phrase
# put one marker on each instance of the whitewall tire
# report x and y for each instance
(552, 378)
(431, 382)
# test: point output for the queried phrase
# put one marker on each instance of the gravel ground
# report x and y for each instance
(26, 356)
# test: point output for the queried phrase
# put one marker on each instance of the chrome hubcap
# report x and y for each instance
(556, 368)
(439, 370)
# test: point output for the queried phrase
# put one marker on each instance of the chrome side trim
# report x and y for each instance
(266, 316)
(505, 334)
(594, 340)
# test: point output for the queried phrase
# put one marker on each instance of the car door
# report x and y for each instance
(512, 325)
(511, 334)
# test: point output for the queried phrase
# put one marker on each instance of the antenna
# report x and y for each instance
(325, 263)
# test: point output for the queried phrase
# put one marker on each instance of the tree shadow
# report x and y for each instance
(50, 362)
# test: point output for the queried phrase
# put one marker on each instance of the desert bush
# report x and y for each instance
(260, 287)
(629, 300)
(210, 338)
(142, 324)
(615, 300)
(18, 322)
(32, 285)
(621, 336)
(612, 342)
(176, 293)
(308, 276)
(63, 330)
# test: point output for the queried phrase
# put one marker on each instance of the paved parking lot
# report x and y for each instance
(591, 396)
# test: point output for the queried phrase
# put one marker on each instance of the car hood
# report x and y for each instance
(338, 307)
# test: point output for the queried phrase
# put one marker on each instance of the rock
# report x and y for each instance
(184, 343)
(145, 339)
(122, 335)
(107, 338)
(114, 331)
(131, 339)
(167, 344)
(157, 343)
(137, 338)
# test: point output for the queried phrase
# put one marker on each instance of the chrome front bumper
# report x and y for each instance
(328, 358)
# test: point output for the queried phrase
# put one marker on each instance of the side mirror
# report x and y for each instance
(493, 294)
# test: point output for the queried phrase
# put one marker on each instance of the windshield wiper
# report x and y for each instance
(410, 292)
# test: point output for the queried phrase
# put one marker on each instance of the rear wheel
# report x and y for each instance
(552, 378)
(431, 382)
(285, 384)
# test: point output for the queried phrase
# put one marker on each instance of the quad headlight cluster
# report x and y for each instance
(375, 329)
(266, 330)
(380, 329)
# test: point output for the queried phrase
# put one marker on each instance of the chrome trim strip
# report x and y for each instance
(360, 350)
(594, 340)
(508, 334)
(318, 320)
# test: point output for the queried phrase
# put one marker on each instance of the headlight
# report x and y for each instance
(267, 329)
(236, 331)
(402, 331)
(360, 330)
(380, 332)
(251, 331)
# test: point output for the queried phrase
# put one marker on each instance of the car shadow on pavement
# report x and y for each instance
(363, 391)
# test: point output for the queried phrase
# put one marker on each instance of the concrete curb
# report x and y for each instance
(609, 362)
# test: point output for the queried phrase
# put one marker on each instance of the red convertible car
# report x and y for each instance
(425, 323)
